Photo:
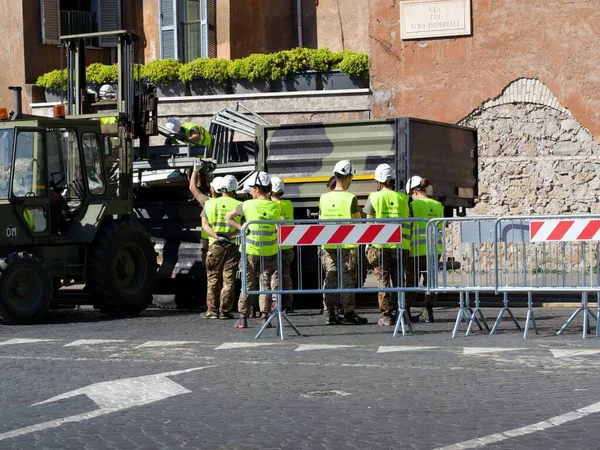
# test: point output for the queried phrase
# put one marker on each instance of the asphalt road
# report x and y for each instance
(170, 379)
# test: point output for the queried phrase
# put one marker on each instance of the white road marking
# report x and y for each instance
(401, 348)
(16, 341)
(112, 396)
(324, 393)
(92, 342)
(565, 353)
(152, 344)
(231, 345)
(481, 350)
(308, 347)
(517, 432)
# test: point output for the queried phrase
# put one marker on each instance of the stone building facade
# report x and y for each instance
(525, 78)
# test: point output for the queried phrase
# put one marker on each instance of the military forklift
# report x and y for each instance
(61, 219)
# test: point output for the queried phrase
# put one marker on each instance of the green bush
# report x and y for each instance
(205, 69)
(102, 73)
(286, 62)
(162, 70)
(251, 68)
(324, 60)
(56, 79)
(93, 73)
(355, 64)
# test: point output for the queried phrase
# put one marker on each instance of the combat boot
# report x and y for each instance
(430, 317)
(242, 322)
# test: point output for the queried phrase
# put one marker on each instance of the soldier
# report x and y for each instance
(340, 204)
(383, 204)
(424, 207)
(202, 198)
(223, 256)
(287, 252)
(192, 131)
(261, 244)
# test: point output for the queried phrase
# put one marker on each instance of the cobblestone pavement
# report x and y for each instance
(171, 379)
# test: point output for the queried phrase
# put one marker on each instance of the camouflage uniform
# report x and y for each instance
(385, 261)
(287, 257)
(415, 268)
(329, 260)
(221, 267)
(258, 274)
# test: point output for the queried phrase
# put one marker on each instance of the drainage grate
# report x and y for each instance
(333, 393)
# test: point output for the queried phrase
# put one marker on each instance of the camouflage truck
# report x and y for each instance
(304, 155)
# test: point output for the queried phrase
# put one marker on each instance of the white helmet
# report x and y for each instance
(107, 91)
(260, 178)
(173, 125)
(384, 172)
(246, 188)
(229, 184)
(277, 185)
(413, 182)
(343, 167)
(217, 183)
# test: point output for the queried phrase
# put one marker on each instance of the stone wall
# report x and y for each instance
(445, 79)
(534, 157)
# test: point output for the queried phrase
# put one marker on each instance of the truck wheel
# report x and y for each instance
(122, 269)
(25, 288)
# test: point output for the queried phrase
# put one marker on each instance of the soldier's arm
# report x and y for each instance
(356, 213)
(208, 229)
(194, 135)
(230, 217)
(198, 195)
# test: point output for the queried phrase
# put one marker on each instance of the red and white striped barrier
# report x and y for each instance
(363, 233)
(564, 230)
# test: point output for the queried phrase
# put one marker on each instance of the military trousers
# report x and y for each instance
(221, 269)
(416, 268)
(388, 272)
(287, 257)
(348, 263)
(259, 276)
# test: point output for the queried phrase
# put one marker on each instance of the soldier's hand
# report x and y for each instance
(198, 165)
(223, 242)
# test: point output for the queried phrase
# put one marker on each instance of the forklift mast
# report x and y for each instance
(135, 106)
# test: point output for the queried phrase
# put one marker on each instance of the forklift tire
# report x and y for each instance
(122, 269)
(25, 288)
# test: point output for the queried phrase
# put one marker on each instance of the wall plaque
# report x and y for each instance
(421, 19)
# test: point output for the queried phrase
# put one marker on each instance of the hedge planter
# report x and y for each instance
(54, 95)
(209, 87)
(335, 80)
(301, 81)
(250, 87)
(172, 89)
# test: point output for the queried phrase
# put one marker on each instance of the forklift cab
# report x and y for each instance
(48, 171)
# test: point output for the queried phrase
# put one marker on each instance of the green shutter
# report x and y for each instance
(50, 10)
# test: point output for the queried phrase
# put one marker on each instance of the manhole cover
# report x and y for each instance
(333, 393)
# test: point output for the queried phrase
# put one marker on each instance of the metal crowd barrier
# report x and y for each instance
(521, 254)
(310, 235)
(465, 265)
(557, 254)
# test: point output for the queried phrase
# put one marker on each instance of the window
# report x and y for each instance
(36, 219)
(29, 179)
(93, 163)
(62, 17)
(6, 141)
(65, 174)
(187, 29)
